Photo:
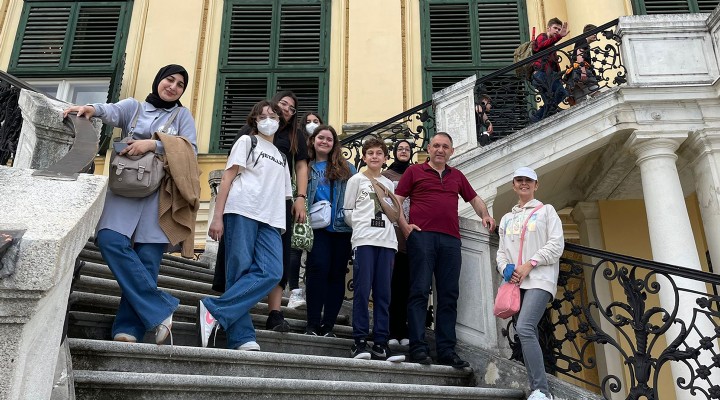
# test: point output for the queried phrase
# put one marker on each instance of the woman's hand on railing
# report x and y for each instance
(82, 111)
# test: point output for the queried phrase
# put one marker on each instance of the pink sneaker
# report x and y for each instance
(206, 322)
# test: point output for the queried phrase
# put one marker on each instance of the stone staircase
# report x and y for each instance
(292, 365)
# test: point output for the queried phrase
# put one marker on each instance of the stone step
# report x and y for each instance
(168, 259)
(98, 326)
(148, 358)
(104, 385)
(186, 272)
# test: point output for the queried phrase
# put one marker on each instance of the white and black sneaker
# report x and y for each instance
(359, 351)
(383, 352)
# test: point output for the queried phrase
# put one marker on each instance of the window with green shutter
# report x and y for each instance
(462, 38)
(267, 46)
(673, 6)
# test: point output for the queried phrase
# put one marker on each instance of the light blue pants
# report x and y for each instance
(136, 266)
(532, 309)
(253, 266)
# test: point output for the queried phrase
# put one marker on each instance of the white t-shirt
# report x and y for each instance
(262, 186)
(370, 226)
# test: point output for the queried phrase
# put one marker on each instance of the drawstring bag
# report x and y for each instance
(507, 300)
(137, 176)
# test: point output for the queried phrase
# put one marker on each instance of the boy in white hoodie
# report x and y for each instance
(374, 245)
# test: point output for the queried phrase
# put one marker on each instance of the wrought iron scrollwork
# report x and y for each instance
(10, 121)
(647, 337)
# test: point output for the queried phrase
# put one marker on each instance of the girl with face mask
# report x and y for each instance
(250, 215)
(312, 121)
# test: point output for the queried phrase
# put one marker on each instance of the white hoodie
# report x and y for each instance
(544, 243)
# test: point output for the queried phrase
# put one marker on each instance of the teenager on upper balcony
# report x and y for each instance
(546, 70)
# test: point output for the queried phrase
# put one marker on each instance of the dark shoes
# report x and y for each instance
(276, 322)
(359, 351)
(383, 352)
(454, 361)
(419, 357)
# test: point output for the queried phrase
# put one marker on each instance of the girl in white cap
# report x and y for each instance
(531, 243)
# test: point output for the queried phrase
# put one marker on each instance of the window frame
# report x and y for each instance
(272, 70)
(640, 9)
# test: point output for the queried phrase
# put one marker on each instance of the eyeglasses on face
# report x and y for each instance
(399, 149)
(287, 105)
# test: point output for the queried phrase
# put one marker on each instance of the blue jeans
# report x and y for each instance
(325, 271)
(372, 269)
(253, 262)
(534, 302)
(136, 266)
(552, 92)
(439, 254)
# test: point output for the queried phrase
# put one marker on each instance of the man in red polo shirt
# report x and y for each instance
(433, 243)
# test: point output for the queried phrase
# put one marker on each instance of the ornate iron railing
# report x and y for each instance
(646, 336)
(10, 116)
(516, 100)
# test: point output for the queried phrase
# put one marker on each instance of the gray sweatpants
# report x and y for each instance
(532, 309)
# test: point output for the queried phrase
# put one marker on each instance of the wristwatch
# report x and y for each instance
(533, 263)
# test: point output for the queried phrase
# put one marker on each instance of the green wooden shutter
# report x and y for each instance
(500, 31)
(239, 94)
(667, 6)
(43, 39)
(450, 34)
(250, 34)
(707, 6)
(96, 36)
(300, 34)
(308, 89)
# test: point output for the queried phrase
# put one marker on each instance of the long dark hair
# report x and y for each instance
(337, 166)
(293, 119)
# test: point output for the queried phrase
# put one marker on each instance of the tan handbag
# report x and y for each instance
(137, 176)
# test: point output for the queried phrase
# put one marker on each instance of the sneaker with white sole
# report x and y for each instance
(206, 324)
(383, 352)
(296, 300)
(393, 342)
(249, 346)
(359, 351)
(405, 342)
(162, 331)
(124, 337)
(538, 395)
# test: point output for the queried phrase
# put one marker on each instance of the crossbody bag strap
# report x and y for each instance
(170, 120)
(524, 228)
(133, 123)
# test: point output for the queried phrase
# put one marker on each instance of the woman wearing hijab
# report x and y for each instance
(400, 286)
(129, 234)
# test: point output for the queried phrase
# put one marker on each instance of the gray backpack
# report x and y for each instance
(137, 176)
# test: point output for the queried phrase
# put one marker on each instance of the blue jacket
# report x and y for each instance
(338, 190)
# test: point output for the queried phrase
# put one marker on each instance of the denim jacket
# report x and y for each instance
(338, 190)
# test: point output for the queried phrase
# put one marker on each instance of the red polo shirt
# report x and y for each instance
(434, 198)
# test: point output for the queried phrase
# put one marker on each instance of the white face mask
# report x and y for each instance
(310, 128)
(268, 126)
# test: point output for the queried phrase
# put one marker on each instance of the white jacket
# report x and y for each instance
(544, 243)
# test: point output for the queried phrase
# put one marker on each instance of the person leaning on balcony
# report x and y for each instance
(537, 272)
(433, 245)
(546, 70)
(129, 234)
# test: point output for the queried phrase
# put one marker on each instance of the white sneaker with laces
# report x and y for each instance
(538, 395)
(249, 346)
(207, 323)
(296, 300)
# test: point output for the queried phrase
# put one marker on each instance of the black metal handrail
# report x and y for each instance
(511, 113)
(573, 323)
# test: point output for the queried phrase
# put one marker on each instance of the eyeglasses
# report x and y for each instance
(287, 105)
(264, 117)
(399, 149)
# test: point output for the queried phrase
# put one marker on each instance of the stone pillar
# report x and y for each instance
(609, 359)
(44, 138)
(209, 256)
(455, 114)
(671, 237)
(703, 149)
(36, 272)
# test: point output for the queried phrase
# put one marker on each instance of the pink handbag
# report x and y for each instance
(507, 300)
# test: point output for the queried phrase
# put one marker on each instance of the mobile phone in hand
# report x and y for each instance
(119, 146)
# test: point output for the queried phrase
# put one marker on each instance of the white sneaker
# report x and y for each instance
(538, 395)
(162, 331)
(249, 346)
(125, 337)
(393, 342)
(296, 300)
(207, 323)
(405, 342)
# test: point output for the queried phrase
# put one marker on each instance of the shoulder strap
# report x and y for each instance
(253, 144)
(134, 121)
(524, 228)
(170, 120)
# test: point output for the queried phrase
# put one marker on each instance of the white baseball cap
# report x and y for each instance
(526, 172)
